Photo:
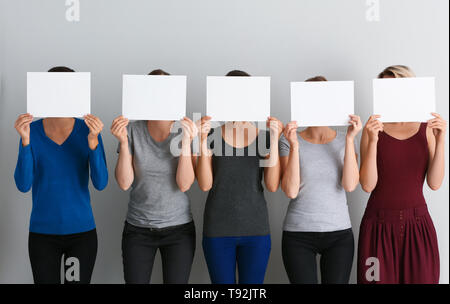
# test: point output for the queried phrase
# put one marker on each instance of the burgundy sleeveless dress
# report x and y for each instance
(396, 228)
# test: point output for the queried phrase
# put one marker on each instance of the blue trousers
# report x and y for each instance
(249, 253)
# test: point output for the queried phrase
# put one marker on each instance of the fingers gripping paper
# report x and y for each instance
(152, 97)
(58, 94)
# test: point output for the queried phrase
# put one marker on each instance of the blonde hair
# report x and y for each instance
(397, 71)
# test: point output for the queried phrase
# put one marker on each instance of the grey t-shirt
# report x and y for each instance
(155, 199)
(321, 204)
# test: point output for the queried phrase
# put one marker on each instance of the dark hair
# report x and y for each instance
(238, 73)
(61, 69)
(159, 72)
(317, 78)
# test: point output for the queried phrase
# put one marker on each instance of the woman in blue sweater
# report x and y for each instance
(56, 156)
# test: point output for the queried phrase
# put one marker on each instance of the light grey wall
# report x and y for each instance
(286, 39)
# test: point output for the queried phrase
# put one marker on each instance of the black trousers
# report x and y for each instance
(176, 245)
(46, 252)
(336, 250)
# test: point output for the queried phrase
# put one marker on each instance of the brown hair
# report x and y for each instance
(317, 78)
(60, 69)
(238, 73)
(397, 71)
(159, 72)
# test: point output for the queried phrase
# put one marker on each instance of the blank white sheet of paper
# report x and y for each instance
(154, 97)
(322, 103)
(404, 99)
(238, 98)
(58, 94)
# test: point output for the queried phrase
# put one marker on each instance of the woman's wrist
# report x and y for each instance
(350, 139)
(440, 140)
(372, 146)
(25, 141)
(123, 146)
(373, 141)
(186, 140)
(204, 151)
(93, 142)
(186, 146)
(92, 136)
(203, 138)
(293, 146)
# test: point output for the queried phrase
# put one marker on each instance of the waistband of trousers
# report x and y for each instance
(164, 229)
(397, 215)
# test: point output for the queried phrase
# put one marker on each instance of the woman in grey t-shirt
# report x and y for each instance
(319, 165)
(159, 215)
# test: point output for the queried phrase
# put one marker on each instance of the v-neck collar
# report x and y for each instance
(75, 127)
(405, 139)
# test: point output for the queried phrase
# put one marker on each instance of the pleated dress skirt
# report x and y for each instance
(398, 247)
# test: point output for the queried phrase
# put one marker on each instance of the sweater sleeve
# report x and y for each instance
(97, 164)
(24, 173)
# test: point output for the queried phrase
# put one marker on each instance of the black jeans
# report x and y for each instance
(336, 251)
(46, 252)
(176, 245)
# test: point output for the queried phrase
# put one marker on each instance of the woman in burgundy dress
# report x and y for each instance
(397, 240)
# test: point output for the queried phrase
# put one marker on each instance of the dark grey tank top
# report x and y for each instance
(236, 205)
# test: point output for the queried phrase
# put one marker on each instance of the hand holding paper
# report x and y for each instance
(205, 126)
(439, 127)
(190, 129)
(373, 127)
(355, 126)
(22, 126)
(290, 132)
(95, 126)
(275, 126)
(119, 129)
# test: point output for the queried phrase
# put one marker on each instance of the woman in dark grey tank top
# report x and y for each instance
(159, 215)
(236, 205)
(236, 225)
